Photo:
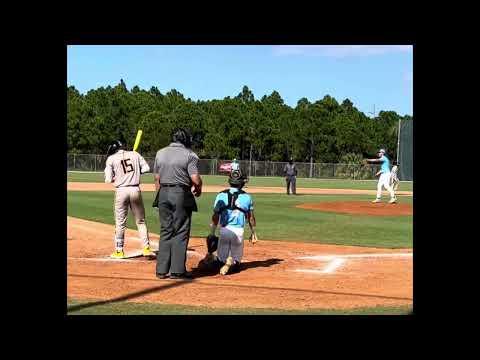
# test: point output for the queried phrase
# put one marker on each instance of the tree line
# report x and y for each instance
(267, 129)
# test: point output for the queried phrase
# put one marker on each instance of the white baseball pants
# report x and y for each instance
(230, 243)
(129, 197)
(384, 181)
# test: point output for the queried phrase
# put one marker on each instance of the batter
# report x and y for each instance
(123, 169)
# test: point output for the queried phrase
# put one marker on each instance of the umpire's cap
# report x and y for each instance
(182, 136)
(114, 147)
(236, 178)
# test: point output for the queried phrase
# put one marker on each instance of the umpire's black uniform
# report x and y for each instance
(175, 164)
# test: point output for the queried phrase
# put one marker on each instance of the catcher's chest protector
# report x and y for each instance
(232, 199)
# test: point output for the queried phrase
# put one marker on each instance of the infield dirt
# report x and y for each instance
(274, 274)
(86, 186)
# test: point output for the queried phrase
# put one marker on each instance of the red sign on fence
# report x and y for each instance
(225, 167)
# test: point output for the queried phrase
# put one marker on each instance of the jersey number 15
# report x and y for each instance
(127, 167)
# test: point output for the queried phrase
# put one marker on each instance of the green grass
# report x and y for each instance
(128, 308)
(259, 181)
(277, 219)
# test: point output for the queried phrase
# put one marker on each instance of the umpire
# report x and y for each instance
(290, 171)
(177, 181)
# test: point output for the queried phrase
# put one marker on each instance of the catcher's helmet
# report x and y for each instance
(236, 178)
(182, 136)
(114, 147)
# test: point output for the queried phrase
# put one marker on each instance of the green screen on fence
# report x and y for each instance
(405, 155)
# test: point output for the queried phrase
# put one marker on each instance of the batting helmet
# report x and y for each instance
(114, 147)
(182, 136)
(236, 178)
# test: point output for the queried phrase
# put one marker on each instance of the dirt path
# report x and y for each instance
(85, 186)
(360, 208)
(275, 274)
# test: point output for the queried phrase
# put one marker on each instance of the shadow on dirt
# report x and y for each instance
(133, 295)
(203, 271)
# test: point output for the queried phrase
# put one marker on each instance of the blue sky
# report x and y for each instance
(368, 75)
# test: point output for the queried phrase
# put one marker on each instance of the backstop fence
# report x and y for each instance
(93, 162)
(405, 150)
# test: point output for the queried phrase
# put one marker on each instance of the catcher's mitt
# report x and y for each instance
(212, 243)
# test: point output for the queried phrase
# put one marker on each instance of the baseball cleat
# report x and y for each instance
(376, 201)
(393, 201)
(118, 254)
(185, 276)
(147, 251)
(226, 267)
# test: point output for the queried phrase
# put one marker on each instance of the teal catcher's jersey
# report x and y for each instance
(235, 218)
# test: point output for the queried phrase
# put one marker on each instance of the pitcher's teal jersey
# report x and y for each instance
(385, 168)
(235, 218)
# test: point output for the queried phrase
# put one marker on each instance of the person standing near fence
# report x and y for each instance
(290, 171)
(235, 165)
(177, 181)
(123, 169)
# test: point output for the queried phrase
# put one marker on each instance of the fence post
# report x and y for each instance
(74, 162)
(333, 170)
(95, 163)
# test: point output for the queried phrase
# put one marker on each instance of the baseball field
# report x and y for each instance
(327, 250)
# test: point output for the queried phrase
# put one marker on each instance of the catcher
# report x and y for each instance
(231, 208)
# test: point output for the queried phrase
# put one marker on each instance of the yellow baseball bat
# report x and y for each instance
(137, 140)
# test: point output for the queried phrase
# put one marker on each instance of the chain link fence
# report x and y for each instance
(92, 162)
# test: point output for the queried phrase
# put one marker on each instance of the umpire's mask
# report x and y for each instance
(182, 136)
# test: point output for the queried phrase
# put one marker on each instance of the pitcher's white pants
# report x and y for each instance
(230, 243)
(385, 182)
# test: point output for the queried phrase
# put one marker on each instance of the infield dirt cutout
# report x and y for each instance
(91, 186)
(275, 274)
(360, 208)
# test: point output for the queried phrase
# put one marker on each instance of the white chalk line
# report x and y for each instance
(108, 259)
(336, 261)
(330, 268)
(100, 259)
(356, 256)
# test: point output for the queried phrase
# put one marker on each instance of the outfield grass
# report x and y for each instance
(258, 181)
(128, 308)
(277, 219)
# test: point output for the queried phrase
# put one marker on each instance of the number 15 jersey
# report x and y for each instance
(124, 168)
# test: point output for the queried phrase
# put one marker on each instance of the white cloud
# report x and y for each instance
(339, 51)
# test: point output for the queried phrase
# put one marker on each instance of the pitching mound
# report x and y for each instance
(360, 208)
